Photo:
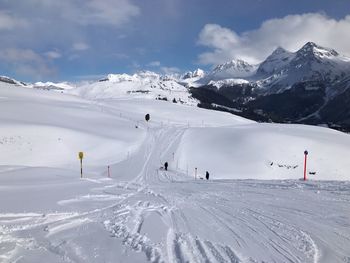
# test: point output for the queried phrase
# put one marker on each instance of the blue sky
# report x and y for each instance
(83, 39)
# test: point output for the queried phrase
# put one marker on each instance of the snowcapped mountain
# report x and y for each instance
(38, 85)
(282, 69)
(227, 82)
(8, 80)
(192, 78)
(198, 73)
(53, 86)
(318, 63)
(311, 85)
(143, 84)
(276, 62)
(232, 69)
(287, 87)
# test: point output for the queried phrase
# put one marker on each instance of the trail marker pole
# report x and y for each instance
(305, 159)
(81, 156)
(195, 173)
(109, 173)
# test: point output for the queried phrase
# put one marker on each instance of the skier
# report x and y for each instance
(207, 175)
(166, 166)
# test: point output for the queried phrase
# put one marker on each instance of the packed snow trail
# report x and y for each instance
(228, 221)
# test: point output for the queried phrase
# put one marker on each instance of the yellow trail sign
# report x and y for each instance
(81, 155)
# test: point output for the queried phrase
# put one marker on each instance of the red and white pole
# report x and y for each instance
(305, 154)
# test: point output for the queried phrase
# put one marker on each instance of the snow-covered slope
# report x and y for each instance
(5, 79)
(40, 128)
(232, 69)
(263, 151)
(198, 73)
(191, 78)
(143, 84)
(141, 212)
(227, 82)
(276, 62)
(53, 86)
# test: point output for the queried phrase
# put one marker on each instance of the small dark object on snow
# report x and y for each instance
(312, 173)
(147, 117)
(166, 166)
(207, 175)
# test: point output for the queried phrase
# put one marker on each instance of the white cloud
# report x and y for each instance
(87, 12)
(9, 22)
(50, 24)
(290, 32)
(80, 46)
(154, 64)
(170, 70)
(26, 62)
(113, 12)
(53, 54)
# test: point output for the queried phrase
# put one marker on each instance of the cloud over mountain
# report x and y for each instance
(290, 32)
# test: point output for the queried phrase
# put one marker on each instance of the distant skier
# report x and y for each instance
(207, 175)
(166, 166)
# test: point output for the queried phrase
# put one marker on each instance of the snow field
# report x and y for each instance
(265, 151)
(50, 129)
(143, 213)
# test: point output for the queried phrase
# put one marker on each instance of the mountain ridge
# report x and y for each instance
(312, 71)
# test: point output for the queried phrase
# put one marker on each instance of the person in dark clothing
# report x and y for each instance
(207, 175)
(166, 166)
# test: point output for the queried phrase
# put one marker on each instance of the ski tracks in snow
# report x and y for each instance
(169, 217)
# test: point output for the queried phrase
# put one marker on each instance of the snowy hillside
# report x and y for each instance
(144, 84)
(192, 78)
(276, 62)
(53, 86)
(135, 211)
(7, 80)
(266, 151)
(231, 69)
(227, 82)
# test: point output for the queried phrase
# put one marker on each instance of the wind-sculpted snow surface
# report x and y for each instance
(143, 213)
